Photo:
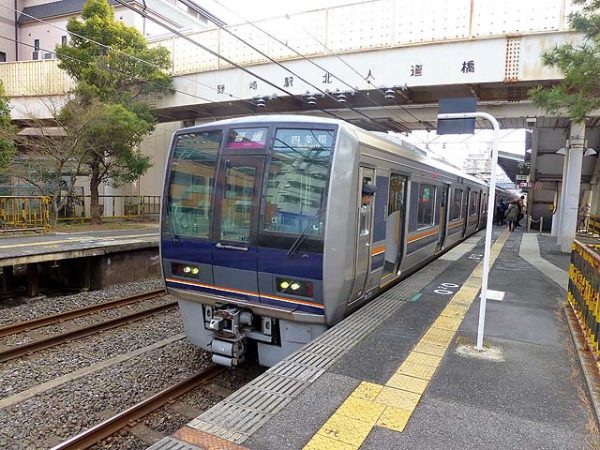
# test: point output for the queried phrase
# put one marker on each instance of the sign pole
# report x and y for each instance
(490, 214)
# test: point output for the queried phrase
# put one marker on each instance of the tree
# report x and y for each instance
(579, 91)
(54, 157)
(7, 132)
(113, 64)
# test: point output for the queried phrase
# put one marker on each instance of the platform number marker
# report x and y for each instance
(476, 257)
(446, 288)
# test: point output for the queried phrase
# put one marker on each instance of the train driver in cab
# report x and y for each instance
(368, 191)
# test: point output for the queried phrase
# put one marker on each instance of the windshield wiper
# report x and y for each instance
(292, 250)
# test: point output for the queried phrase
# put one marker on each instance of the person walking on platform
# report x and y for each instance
(512, 215)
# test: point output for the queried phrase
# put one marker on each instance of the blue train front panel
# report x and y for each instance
(242, 234)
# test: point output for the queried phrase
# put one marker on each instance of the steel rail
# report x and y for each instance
(110, 426)
(21, 350)
(67, 315)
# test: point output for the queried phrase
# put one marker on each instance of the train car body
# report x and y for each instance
(267, 240)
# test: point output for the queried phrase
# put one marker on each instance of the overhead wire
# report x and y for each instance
(224, 58)
(309, 60)
(347, 64)
(232, 63)
(204, 48)
(135, 58)
(277, 63)
(118, 72)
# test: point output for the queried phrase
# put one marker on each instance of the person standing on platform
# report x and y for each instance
(521, 205)
(500, 210)
(512, 215)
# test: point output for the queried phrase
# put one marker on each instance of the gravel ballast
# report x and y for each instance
(28, 309)
(57, 413)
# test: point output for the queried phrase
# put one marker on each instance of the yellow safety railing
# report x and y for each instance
(24, 213)
(584, 292)
(593, 224)
(77, 208)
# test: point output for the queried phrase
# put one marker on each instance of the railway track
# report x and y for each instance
(92, 436)
(67, 315)
(15, 352)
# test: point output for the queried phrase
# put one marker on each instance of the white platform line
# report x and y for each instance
(530, 252)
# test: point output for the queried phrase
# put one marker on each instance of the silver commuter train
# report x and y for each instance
(267, 240)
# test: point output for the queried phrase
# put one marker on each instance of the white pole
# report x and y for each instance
(490, 214)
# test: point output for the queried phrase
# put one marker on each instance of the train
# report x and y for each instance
(276, 227)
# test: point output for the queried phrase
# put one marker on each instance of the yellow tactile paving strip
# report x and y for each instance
(391, 405)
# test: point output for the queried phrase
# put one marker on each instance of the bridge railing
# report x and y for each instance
(24, 213)
(584, 292)
(358, 27)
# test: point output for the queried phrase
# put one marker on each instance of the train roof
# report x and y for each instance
(363, 135)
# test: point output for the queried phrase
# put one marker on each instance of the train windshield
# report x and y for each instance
(191, 183)
(297, 183)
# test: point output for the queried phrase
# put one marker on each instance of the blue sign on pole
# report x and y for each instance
(457, 105)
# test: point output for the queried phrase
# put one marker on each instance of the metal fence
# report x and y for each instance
(584, 292)
(32, 213)
(24, 213)
(113, 207)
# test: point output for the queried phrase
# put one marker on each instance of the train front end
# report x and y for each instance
(242, 235)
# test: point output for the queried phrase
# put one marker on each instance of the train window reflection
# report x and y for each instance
(426, 205)
(473, 204)
(297, 183)
(236, 211)
(191, 184)
(456, 204)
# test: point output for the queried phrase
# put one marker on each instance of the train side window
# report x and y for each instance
(455, 206)
(425, 213)
(366, 210)
(473, 204)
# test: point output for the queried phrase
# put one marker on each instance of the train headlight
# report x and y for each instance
(185, 270)
(295, 287)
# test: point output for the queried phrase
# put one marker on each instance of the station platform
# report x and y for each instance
(85, 260)
(402, 372)
(35, 248)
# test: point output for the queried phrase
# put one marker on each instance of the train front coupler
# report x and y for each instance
(232, 327)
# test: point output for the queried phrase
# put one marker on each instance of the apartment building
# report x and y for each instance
(23, 38)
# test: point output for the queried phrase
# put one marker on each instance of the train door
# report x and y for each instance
(235, 223)
(394, 226)
(465, 212)
(482, 210)
(363, 236)
(443, 217)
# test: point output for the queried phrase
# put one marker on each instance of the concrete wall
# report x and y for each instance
(48, 35)
(7, 30)
(157, 147)
(125, 267)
